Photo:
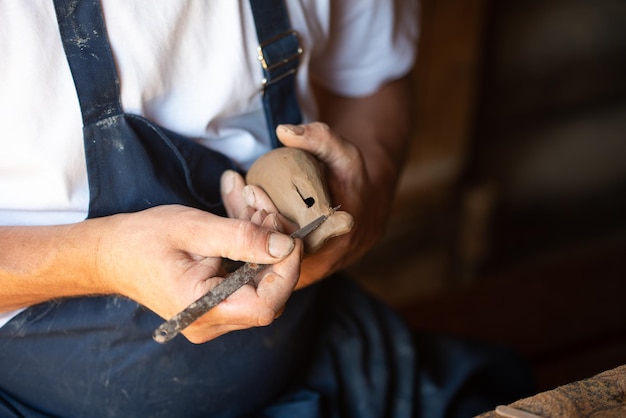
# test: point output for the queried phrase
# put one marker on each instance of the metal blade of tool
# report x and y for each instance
(232, 282)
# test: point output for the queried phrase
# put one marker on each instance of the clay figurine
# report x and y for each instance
(294, 180)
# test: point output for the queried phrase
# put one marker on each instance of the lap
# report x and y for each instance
(337, 352)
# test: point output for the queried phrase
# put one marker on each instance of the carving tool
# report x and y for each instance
(231, 283)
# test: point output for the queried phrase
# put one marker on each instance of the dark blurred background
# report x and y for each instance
(510, 220)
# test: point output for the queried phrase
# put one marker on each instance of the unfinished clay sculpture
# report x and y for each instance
(294, 180)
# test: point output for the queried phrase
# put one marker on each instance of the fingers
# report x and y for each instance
(241, 200)
(318, 139)
(172, 255)
(204, 234)
(254, 305)
(256, 198)
(251, 203)
(259, 303)
(231, 186)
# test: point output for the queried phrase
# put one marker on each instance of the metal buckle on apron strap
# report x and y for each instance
(277, 52)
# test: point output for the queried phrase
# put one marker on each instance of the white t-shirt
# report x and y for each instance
(189, 66)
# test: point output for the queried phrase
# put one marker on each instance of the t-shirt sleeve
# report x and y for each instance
(370, 42)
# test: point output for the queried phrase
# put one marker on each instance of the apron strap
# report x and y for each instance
(279, 53)
(84, 37)
(89, 55)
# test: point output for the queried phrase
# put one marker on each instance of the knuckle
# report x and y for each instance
(265, 317)
(322, 127)
(247, 235)
(353, 158)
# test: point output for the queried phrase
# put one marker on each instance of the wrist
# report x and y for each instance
(41, 263)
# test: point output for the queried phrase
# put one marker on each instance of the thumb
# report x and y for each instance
(237, 239)
(321, 141)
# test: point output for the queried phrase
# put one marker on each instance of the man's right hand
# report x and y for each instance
(164, 258)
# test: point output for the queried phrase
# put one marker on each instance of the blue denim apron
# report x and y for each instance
(335, 352)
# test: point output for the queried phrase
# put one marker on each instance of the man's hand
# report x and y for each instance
(363, 157)
(172, 255)
(164, 258)
(349, 186)
(363, 151)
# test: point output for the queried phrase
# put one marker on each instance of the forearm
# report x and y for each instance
(40, 263)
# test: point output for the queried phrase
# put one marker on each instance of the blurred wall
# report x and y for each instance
(551, 123)
(519, 145)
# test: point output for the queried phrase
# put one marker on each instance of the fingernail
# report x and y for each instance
(292, 129)
(277, 225)
(280, 245)
(248, 196)
(228, 181)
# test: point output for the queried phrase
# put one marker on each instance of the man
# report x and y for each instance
(87, 244)
(127, 126)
